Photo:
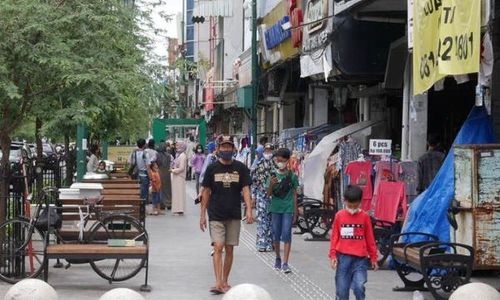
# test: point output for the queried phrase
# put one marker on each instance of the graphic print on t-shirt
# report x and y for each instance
(352, 231)
(362, 180)
(227, 178)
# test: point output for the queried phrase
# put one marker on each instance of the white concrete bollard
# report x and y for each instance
(121, 294)
(475, 290)
(247, 291)
(31, 289)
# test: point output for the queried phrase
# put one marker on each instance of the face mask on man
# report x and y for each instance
(281, 165)
(199, 150)
(353, 211)
(226, 155)
(268, 156)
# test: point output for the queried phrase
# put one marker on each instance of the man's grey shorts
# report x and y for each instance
(226, 232)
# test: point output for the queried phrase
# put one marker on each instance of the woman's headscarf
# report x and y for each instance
(180, 146)
(162, 147)
(211, 147)
(259, 151)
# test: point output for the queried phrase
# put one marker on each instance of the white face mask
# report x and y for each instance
(281, 165)
(268, 156)
(353, 211)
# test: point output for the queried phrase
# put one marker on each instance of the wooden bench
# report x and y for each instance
(123, 191)
(441, 266)
(113, 263)
(70, 211)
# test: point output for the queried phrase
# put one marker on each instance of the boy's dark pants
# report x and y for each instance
(351, 274)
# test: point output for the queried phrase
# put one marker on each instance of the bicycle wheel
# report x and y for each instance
(118, 227)
(22, 253)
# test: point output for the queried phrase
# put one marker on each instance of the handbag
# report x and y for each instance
(42, 223)
(284, 187)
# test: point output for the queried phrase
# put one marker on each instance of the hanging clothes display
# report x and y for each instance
(349, 150)
(409, 175)
(331, 190)
(384, 171)
(360, 173)
(391, 203)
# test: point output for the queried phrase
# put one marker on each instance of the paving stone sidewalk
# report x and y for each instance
(181, 267)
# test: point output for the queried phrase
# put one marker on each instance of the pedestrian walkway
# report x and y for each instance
(181, 267)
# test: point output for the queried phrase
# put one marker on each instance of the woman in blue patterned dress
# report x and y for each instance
(260, 175)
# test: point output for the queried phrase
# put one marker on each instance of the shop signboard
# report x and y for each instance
(316, 48)
(380, 147)
(276, 34)
(297, 19)
(317, 10)
(209, 92)
(276, 42)
(448, 35)
(119, 154)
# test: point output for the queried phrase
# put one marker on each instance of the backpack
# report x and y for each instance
(133, 170)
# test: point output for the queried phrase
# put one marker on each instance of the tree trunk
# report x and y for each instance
(4, 174)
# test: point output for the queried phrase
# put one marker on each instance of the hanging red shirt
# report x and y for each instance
(391, 198)
(360, 174)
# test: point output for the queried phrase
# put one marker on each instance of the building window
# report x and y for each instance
(190, 33)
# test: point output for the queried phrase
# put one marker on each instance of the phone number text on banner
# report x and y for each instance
(446, 40)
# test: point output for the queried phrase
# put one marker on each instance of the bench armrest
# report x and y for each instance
(395, 237)
(449, 248)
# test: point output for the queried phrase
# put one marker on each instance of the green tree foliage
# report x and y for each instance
(69, 62)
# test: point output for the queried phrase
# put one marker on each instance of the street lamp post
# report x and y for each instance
(81, 146)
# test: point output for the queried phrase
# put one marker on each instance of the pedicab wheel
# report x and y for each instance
(118, 227)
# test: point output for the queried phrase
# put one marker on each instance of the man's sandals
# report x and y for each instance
(217, 291)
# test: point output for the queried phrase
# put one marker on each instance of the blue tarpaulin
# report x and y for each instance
(428, 212)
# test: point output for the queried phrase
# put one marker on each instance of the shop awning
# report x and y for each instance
(315, 164)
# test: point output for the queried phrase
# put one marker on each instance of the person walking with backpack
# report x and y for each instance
(282, 188)
(140, 167)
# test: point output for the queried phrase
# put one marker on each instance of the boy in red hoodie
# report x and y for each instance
(352, 246)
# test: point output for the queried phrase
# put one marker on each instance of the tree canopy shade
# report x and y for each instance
(66, 62)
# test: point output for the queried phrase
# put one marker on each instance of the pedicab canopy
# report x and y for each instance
(428, 212)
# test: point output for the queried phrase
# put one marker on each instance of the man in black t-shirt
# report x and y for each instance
(224, 183)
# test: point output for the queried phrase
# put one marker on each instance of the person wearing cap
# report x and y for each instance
(224, 183)
(260, 175)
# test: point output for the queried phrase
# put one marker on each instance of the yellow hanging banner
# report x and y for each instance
(446, 40)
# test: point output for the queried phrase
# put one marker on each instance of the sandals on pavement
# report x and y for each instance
(216, 291)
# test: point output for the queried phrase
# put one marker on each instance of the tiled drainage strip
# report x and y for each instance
(299, 282)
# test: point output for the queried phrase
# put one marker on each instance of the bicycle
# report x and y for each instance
(23, 241)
